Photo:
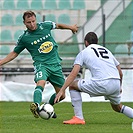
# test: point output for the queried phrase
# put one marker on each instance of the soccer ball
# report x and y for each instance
(46, 111)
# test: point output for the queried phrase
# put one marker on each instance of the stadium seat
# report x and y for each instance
(74, 38)
(64, 18)
(22, 4)
(69, 50)
(50, 17)
(19, 19)
(6, 35)
(36, 4)
(50, 5)
(7, 20)
(17, 34)
(4, 50)
(8, 4)
(0, 5)
(39, 17)
(64, 4)
(121, 50)
(78, 4)
(131, 36)
(131, 51)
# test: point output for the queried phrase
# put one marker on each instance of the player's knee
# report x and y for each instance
(73, 86)
(41, 83)
(116, 108)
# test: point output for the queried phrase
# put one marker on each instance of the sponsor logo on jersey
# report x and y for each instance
(46, 47)
(40, 39)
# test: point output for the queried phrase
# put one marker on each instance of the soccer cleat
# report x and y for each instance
(34, 109)
(54, 116)
(74, 121)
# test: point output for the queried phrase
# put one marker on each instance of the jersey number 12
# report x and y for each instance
(101, 52)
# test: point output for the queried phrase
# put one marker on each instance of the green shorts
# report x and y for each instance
(52, 73)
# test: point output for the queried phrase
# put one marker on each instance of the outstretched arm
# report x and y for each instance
(73, 28)
(68, 81)
(8, 58)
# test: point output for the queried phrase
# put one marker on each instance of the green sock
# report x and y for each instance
(38, 94)
(51, 100)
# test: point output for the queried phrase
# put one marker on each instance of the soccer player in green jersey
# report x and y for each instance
(38, 41)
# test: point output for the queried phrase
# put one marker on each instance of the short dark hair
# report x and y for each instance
(91, 38)
(28, 14)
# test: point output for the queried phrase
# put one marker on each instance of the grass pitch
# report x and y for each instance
(15, 117)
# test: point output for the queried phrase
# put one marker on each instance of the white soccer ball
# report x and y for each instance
(46, 111)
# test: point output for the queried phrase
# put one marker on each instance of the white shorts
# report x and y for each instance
(109, 88)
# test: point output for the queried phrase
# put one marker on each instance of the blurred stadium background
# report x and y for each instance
(112, 20)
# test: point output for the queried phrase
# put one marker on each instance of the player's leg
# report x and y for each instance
(40, 79)
(77, 105)
(76, 99)
(113, 90)
(57, 79)
(93, 88)
(52, 98)
(57, 89)
(37, 98)
(38, 91)
(128, 111)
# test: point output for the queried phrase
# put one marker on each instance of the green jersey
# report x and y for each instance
(40, 44)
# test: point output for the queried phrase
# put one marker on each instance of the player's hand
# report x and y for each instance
(74, 29)
(60, 94)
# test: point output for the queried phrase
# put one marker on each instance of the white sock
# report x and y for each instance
(76, 103)
(127, 111)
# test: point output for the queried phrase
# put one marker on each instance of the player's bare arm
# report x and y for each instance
(68, 81)
(73, 28)
(8, 58)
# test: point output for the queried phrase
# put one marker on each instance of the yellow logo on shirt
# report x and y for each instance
(46, 47)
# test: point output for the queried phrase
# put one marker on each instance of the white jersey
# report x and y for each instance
(100, 61)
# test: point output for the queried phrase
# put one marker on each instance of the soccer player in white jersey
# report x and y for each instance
(106, 79)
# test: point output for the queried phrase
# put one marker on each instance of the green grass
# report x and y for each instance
(15, 117)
